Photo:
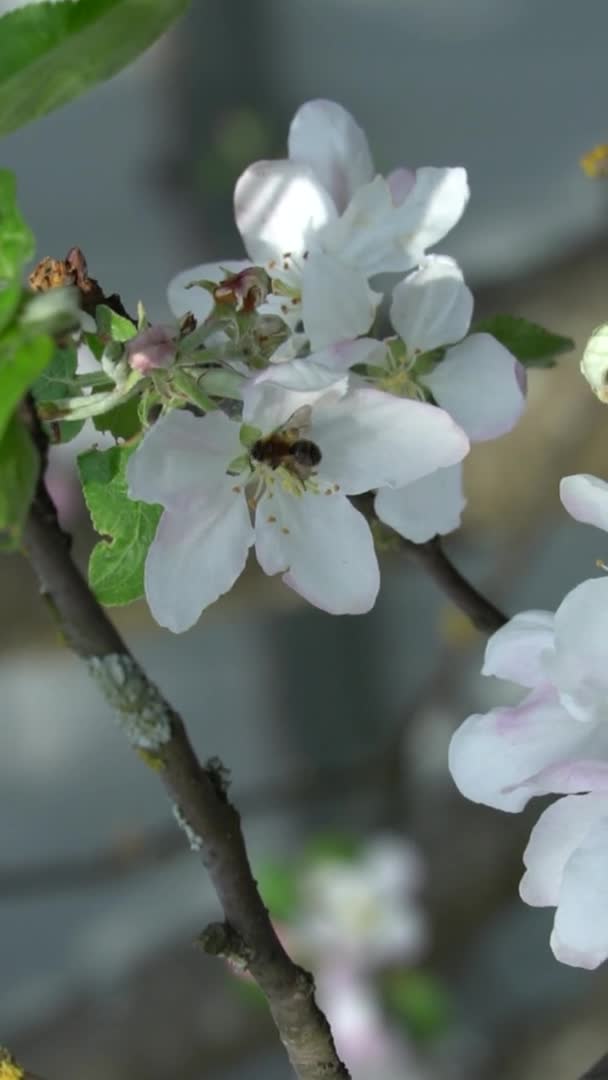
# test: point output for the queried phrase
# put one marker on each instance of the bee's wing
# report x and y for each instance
(299, 421)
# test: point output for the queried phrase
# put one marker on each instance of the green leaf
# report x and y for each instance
(333, 847)
(53, 52)
(122, 422)
(277, 887)
(114, 326)
(58, 382)
(248, 435)
(16, 239)
(420, 1001)
(116, 566)
(530, 343)
(22, 359)
(18, 475)
(10, 301)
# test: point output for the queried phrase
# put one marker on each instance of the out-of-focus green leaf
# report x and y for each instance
(22, 359)
(16, 239)
(53, 52)
(19, 465)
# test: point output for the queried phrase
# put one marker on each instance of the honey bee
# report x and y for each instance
(289, 447)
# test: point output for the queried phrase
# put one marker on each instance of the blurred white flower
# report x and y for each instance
(364, 913)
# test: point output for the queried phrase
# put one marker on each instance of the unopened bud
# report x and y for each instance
(594, 364)
(152, 348)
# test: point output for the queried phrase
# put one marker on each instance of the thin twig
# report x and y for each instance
(198, 794)
(482, 612)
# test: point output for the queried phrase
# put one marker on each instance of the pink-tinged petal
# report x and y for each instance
(182, 457)
(401, 182)
(196, 556)
(431, 506)
(324, 136)
(346, 354)
(554, 838)
(434, 206)
(197, 299)
(481, 385)
(585, 498)
(519, 650)
(580, 930)
(337, 302)
(494, 755)
(323, 545)
(579, 669)
(370, 439)
(432, 306)
(278, 206)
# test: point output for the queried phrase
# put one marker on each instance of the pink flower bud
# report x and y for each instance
(152, 348)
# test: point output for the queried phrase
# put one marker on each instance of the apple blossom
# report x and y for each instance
(304, 525)
(323, 223)
(554, 741)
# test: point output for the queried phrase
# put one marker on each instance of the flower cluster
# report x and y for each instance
(303, 407)
(555, 741)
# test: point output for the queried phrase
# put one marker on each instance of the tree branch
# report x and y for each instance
(599, 1071)
(198, 794)
(483, 614)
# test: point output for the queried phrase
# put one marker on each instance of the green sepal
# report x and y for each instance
(19, 464)
(190, 388)
(112, 325)
(116, 565)
(249, 435)
(533, 345)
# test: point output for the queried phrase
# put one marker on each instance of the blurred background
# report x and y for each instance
(331, 728)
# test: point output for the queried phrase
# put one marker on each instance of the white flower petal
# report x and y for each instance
(182, 456)
(431, 506)
(278, 206)
(581, 631)
(337, 302)
(580, 931)
(196, 556)
(325, 548)
(494, 756)
(269, 399)
(370, 234)
(325, 136)
(197, 299)
(585, 498)
(481, 385)
(370, 439)
(432, 306)
(517, 651)
(556, 835)
(434, 206)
